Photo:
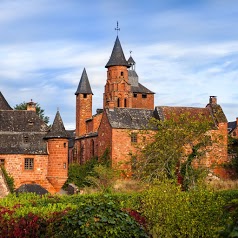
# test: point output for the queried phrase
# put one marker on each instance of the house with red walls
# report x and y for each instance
(127, 109)
(30, 151)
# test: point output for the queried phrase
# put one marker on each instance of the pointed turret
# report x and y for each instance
(117, 57)
(84, 85)
(57, 130)
(3, 103)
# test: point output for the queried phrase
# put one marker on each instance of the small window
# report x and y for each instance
(144, 95)
(135, 95)
(26, 139)
(29, 164)
(65, 145)
(64, 166)
(133, 137)
(143, 138)
(122, 73)
(125, 103)
(84, 95)
(118, 102)
(2, 162)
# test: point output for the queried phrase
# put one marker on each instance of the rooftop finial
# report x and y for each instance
(117, 29)
(130, 52)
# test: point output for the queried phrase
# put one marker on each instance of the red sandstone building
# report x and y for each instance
(30, 151)
(128, 107)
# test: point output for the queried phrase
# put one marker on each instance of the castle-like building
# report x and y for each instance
(128, 107)
(32, 152)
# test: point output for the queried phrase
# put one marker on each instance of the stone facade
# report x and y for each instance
(127, 108)
(30, 151)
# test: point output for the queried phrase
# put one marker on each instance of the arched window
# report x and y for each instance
(118, 102)
(92, 147)
(125, 103)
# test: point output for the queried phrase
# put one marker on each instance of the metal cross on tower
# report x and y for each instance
(117, 29)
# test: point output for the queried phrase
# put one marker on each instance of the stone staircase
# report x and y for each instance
(4, 190)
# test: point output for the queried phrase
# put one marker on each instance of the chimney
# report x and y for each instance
(237, 121)
(31, 106)
(213, 100)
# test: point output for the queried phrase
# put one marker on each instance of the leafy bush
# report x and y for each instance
(97, 215)
(9, 179)
(171, 212)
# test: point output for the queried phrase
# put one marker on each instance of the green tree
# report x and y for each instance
(40, 112)
(173, 147)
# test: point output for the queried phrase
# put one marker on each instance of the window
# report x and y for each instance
(118, 102)
(2, 162)
(122, 73)
(29, 164)
(135, 95)
(65, 145)
(125, 102)
(133, 137)
(26, 139)
(144, 95)
(84, 95)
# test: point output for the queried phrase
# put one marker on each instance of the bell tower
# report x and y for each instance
(117, 92)
(83, 104)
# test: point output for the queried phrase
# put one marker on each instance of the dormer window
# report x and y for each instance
(26, 139)
(30, 123)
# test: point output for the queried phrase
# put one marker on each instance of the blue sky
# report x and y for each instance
(185, 51)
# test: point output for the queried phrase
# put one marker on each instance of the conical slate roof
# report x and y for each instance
(131, 61)
(117, 57)
(84, 85)
(57, 130)
(3, 103)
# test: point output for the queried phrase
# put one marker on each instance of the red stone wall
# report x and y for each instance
(83, 112)
(104, 136)
(93, 124)
(117, 87)
(140, 102)
(57, 173)
(14, 164)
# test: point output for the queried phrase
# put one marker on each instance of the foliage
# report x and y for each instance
(176, 144)
(77, 173)
(40, 112)
(103, 177)
(231, 229)
(233, 153)
(9, 179)
(171, 212)
(30, 215)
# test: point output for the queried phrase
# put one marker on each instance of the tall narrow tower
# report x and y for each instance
(117, 91)
(57, 144)
(83, 104)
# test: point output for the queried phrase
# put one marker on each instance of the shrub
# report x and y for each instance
(171, 212)
(9, 179)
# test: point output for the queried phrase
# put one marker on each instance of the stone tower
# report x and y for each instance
(117, 91)
(83, 104)
(57, 140)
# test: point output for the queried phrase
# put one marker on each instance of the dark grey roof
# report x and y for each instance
(131, 61)
(232, 126)
(57, 130)
(3, 103)
(117, 57)
(140, 89)
(84, 85)
(71, 134)
(31, 188)
(22, 132)
(129, 118)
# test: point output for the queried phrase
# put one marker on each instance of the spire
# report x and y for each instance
(117, 57)
(84, 85)
(3, 103)
(57, 130)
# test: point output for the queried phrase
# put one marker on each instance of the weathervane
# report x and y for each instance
(117, 29)
(130, 52)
